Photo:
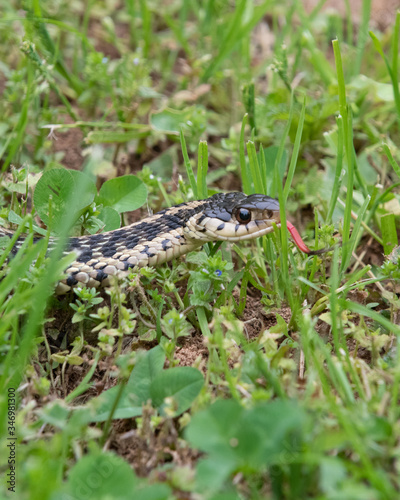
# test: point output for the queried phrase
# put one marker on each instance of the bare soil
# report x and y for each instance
(383, 12)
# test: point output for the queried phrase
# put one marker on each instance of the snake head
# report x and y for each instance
(234, 217)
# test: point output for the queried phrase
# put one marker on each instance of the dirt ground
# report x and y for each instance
(383, 12)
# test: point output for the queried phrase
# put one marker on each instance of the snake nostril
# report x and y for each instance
(270, 214)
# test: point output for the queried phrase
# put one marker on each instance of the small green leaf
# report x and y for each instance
(58, 358)
(73, 359)
(210, 428)
(170, 121)
(212, 473)
(129, 405)
(242, 439)
(280, 327)
(123, 193)
(59, 185)
(101, 476)
(183, 384)
(136, 391)
(152, 492)
(110, 218)
(90, 190)
(145, 371)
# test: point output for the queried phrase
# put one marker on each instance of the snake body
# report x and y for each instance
(166, 235)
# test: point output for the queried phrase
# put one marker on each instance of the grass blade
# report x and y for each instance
(362, 35)
(244, 168)
(254, 167)
(202, 168)
(389, 233)
(295, 153)
(188, 166)
(338, 172)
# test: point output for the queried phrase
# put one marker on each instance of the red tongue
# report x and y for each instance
(297, 238)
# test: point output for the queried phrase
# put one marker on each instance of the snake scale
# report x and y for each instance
(166, 235)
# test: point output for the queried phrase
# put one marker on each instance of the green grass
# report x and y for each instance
(242, 371)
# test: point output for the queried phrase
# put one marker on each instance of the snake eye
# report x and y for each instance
(243, 216)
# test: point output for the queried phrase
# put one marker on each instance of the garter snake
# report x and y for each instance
(166, 235)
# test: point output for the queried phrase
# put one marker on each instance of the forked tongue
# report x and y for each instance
(300, 243)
